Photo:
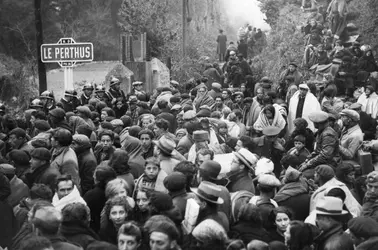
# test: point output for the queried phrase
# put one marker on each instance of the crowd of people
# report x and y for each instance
(221, 162)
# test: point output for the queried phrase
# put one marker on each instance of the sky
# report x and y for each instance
(241, 12)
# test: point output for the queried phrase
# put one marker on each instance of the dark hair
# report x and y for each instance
(238, 113)
(35, 243)
(192, 126)
(270, 108)
(337, 192)
(109, 111)
(301, 235)
(146, 132)
(247, 142)
(103, 175)
(76, 213)
(189, 169)
(120, 162)
(132, 229)
(64, 178)
(251, 214)
(38, 114)
(218, 96)
(106, 132)
(162, 123)
(205, 151)
(162, 104)
(280, 210)
(343, 170)
(51, 221)
(41, 191)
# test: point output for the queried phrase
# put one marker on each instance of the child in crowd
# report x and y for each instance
(153, 176)
(104, 148)
(297, 154)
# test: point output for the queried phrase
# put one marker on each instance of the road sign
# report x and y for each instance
(66, 52)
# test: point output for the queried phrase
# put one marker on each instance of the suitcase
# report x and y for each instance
(366, 162)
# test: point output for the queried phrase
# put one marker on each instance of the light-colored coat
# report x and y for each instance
(350, 141)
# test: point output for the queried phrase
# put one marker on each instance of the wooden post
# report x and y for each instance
(39, 38)
(184, 25)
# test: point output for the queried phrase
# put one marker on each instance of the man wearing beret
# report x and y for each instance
(364, 233)
(351, 135)
(327, 143)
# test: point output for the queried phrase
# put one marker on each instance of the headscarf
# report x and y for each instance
(206, 99)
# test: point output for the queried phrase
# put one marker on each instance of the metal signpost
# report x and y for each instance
(67, 53)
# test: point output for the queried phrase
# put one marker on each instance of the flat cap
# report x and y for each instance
(372, 177)
(352, 114)
(268, 180)
(41, 154)
(18, 132)
(216, 85)
(200, 135)
(84, 110)
(271, 131)
(304, 86)
(363, 227)
(325, 171)
(189, 115)
(176, 181)
(57, 113)
(116, 122)
(42, 125)
(7, 169)
(318, 116)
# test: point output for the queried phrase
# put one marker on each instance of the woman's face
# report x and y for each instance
(268, 114)
(350, 176)
(223, 130)
(103, 115)
(282, 220)
(239, 145)
(106, 141)
(287, 235)
(121, 193)
(142, 201)
(117, 215)
(146, 123)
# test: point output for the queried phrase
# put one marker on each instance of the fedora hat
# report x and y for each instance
(246, 157)
(166, 145)
(209, 192)
(329, 205)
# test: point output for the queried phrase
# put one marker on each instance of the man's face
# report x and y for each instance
(367, 92)
(218, 102)
(271, 138)
(139, 87)
(160, 241)
(202, 158)
(201, 92)
(104, 115)
(372, 187)
(239, 145)
(151, 171)
(238, 99)
(106, 141)
(64, 188)
(158, 131)
(298, 145)
(146, 140)
(74, 145)
(303, 92)
(68, 98)
(127, 242)
(346, 120)
(35, 163)
(15, 141)
(116, 86)
(292, 68)
(242, 88)
(88, 92)
(324, 222)
(316, 177)
(225, 95)
(235, 164)
(259, 94)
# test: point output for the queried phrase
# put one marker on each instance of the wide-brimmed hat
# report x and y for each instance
(246, 157)
(114, 81)
(166, 145)
(209, 192)
(210, 169)
(137, 83)
(352, 114)
(331, 206)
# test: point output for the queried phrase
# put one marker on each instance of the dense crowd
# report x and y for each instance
(219, 162)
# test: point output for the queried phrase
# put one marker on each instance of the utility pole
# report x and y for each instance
(39, 38)
(184, 25)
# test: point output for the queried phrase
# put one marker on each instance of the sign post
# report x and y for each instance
(67, 53)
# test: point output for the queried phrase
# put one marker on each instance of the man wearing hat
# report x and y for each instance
(68, 102)
(209, 197)
(175, 183)
(370, 205)
(242, 170)
(364, 233)
(57, 119)
(164, 148)
(327, 143)
(238, 100)
(187, 141)
(174, 85)
(201, 140)
(329, 219)
(102, 95)
(20, 160)
(369, 101)
(270, 146)
(19, 189)
(301, 105)
(351, 135)
(215, 90)
(40, 169)
(17, 140)
(291, 75)
(324, 177)
(209, 171)
(226, 95)
(115, 90)
(87, 94)
(139, 92)
(366, 122)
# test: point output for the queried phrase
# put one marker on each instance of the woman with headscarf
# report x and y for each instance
(203, 97)
(301, 128)
(269, 116)
(133, 147)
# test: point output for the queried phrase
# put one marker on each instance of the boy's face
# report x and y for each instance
(298, 145)
(106, 141)
(151, 171)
